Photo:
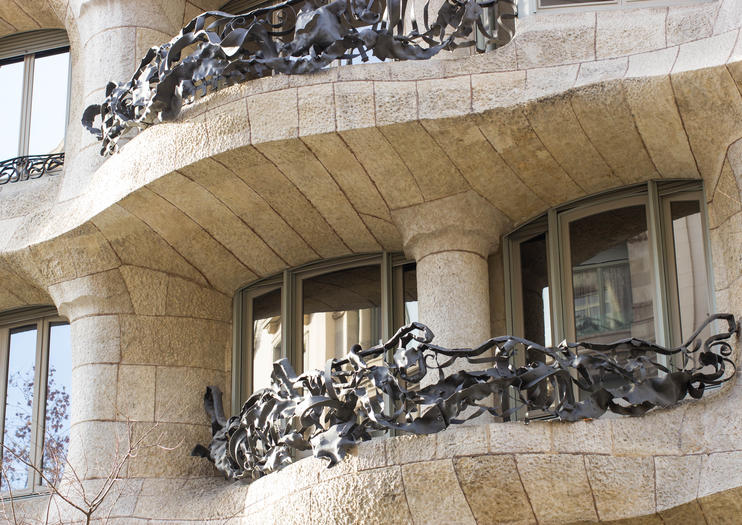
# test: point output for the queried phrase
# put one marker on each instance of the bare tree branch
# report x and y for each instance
(74, 483)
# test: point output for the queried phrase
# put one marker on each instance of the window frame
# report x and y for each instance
(290, 282)
(656, 196)
(671, 265)
(527, 7)
(567, 284)
(41, 43)
(44, 318)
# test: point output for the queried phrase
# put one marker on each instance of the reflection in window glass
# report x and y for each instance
(690, 265)
(535, 293)
(340, 309)
(409, 284)
(17, 435)
(57, 419)
(612, 276)
(49, 104)
(11, 90)
(556, 3)
(266, 329)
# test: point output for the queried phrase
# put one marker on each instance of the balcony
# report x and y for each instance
(30, 167)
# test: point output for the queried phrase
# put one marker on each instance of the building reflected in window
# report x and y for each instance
(315, 313)
(340, 309)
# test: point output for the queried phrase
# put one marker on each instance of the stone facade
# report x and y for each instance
(144, 251)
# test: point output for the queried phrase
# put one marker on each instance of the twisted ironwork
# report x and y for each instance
(29, 167)
(217, 49)
(331, 410)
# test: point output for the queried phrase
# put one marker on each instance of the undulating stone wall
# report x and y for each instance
(144, 251)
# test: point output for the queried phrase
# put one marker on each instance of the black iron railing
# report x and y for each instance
(293, 37)
(30, 167)
(331, 410)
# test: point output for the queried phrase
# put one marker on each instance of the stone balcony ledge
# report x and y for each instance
(675, 462)
(669, 466)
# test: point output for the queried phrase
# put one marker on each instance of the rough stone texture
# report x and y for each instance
(491, 90)
(395, 102)
(623, 33)
(622, 487)
(443, 98)
(136, 392)
(556, 39)
(630, 436)
(94, 387)
(550, 480)
(583, 437)
(493, 490)
(434, 173)
(407, 449)
(677, 480)
(433, 493)
(688, 23)
(333, 501)
(467, 441)
(466, 274)
(264, 124)
(719, 472)
(517, 437)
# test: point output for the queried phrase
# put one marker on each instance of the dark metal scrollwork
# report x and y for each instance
(29, 167)
(217, 49)
(332, 410)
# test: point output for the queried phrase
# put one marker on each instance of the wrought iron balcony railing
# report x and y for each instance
(30, 167)
(331, 410)
(293, 37)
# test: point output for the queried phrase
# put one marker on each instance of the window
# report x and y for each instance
(36, 372)
(317, 312)
(34, 77)
(564, 3)
(526, 6)
(632, 263)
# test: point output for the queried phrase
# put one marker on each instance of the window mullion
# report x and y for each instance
(557, 281)
(708, 254)
(656, 236)
(507, 270)
(387, 320)
(387, 301)
(4, 359)
(248, 335)
(67, 102)
(290, 348)
(238, 351)
(39, 399)
(24, 136)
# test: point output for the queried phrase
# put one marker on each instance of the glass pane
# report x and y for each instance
(409, 284)
(534, 274)
(57, 420)
(690, 265)
(266, 329)
(340, 309)
(11, 91)
(612, 276)
(49, 104)
(555, 3)
(19, 406)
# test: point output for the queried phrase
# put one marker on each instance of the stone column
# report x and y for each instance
(450, 239)
(148, 334)
(109, 39)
